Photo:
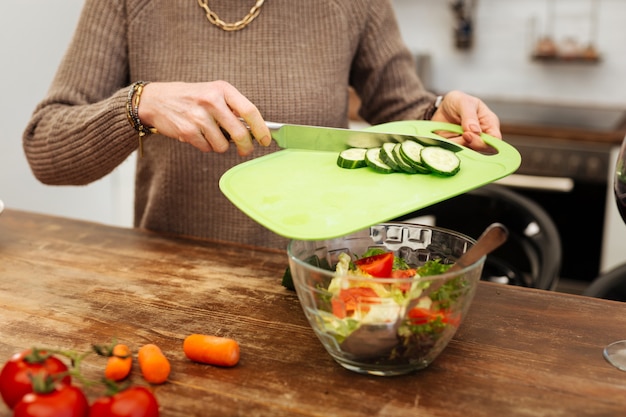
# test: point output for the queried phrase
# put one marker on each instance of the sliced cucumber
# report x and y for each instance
(402, 164)
(352, 158)
(410, 150)
(440, 161)
(372, 158)
(410, 162)
(408, 157)
(386, 155)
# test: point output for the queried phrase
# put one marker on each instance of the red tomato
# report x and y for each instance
(14, 377)
(63, 401)
(350, 298)
(403, 273)
(132, 402)
(423, 316)
(379, 266)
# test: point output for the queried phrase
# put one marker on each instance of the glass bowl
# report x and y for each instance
(388, 325)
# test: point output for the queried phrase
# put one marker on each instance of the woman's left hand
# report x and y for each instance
(474, 117)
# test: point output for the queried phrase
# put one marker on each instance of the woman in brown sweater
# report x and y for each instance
(288, 61)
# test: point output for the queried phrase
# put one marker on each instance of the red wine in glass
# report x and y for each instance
(619, 182)
(615, 353)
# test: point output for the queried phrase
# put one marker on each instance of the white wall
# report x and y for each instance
(499, 63)
(33, 38)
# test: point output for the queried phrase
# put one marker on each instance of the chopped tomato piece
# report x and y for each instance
(346, 303)
(424, 316)
(420, 316)
(403, 273)
(379, 266)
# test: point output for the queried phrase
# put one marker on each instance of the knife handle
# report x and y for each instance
(272, 126)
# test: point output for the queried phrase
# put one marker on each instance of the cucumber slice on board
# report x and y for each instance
(352, 158)
(441, 161)
(403, 165)
(372, 158)
(408, 157)
(413, 167)
(386, 155)
(411, 152)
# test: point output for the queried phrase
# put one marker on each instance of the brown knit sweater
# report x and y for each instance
(295, 62)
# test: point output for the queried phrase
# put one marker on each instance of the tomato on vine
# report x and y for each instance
(64, 400)
(136, 401)
(36, 383)
(15, 377)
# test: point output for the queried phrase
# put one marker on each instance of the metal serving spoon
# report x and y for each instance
(373, 340)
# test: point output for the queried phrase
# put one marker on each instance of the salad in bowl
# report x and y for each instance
(384, 301)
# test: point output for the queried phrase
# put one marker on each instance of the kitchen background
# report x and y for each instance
(538, 52)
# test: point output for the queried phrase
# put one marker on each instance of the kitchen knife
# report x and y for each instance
(335, 139)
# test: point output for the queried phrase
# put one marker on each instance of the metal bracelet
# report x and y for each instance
(132, 112)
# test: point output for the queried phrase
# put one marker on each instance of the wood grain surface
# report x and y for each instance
(70, 284)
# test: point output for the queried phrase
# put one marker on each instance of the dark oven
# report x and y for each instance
(566, 158)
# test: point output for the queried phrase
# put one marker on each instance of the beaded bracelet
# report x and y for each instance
(132, 112)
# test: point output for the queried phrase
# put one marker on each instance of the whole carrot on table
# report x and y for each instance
(155, 367)
(213, 350)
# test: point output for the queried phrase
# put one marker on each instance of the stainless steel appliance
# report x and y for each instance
(566, 159)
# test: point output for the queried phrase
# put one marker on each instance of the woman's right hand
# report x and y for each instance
(195, 112)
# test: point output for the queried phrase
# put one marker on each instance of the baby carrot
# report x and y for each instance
(155, 367)
(213, 350)
(119, 363)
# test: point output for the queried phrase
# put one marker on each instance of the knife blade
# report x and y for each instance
(337, 139)
(292, 136)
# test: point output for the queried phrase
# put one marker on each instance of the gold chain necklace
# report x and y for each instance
(229, 27)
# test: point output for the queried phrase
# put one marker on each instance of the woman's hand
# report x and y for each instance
(474, 117)
(195, 112)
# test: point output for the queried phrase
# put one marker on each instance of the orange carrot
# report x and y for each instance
(213, 350)
(119, 363)
(155, 367)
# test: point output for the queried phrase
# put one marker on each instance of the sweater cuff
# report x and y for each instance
(430, 111)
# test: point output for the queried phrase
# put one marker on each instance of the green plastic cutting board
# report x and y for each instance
(303, 194)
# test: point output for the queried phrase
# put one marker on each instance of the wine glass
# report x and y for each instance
(615, 353)
(619, 181)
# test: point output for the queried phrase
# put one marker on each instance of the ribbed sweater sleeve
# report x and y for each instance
(80, 132)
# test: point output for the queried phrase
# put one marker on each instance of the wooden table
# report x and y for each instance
(69, 284)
